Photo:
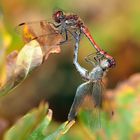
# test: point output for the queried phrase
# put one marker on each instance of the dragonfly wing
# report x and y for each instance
(107, 102)
(97, 94)
(92, 116)
(97, 98)
(42, 31)
(81, 93)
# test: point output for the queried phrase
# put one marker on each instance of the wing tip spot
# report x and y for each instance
(21, 24)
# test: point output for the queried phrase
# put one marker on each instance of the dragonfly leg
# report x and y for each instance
(56, 26)
(76, 35)
(81, 93)
(66, 37)
(88, 60)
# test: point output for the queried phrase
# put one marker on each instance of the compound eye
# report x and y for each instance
(57, 16)
(112, 62)
(59, 13)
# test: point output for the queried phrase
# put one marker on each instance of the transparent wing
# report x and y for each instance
(44, 32)
(107, 102)
(97, 94)
(81, 93)
(97, 118)
(97, 98)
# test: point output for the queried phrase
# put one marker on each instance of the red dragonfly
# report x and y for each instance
(48, 33)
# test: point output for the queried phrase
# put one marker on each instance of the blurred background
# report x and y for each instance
(115, 25)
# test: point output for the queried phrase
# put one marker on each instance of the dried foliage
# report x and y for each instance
(18, 65)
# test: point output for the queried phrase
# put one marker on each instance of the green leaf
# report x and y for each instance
(60, 131)
(34, 125)
(40, 132)
(31, 125)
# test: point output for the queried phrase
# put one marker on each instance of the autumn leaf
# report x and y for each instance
(19, 65)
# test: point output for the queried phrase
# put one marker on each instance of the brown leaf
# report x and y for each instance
(19, 66)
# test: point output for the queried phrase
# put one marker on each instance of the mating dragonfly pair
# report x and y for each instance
(58, 33)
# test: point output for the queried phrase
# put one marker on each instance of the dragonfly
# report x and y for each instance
(93, 85)
(59, 32)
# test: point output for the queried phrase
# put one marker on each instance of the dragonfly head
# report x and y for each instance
(104, 64)
(107, 63)
(112, 62)
(58, 16)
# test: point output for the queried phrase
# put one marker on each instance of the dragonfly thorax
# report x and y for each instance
(99, 71)
(96, 74)
(71, 22)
